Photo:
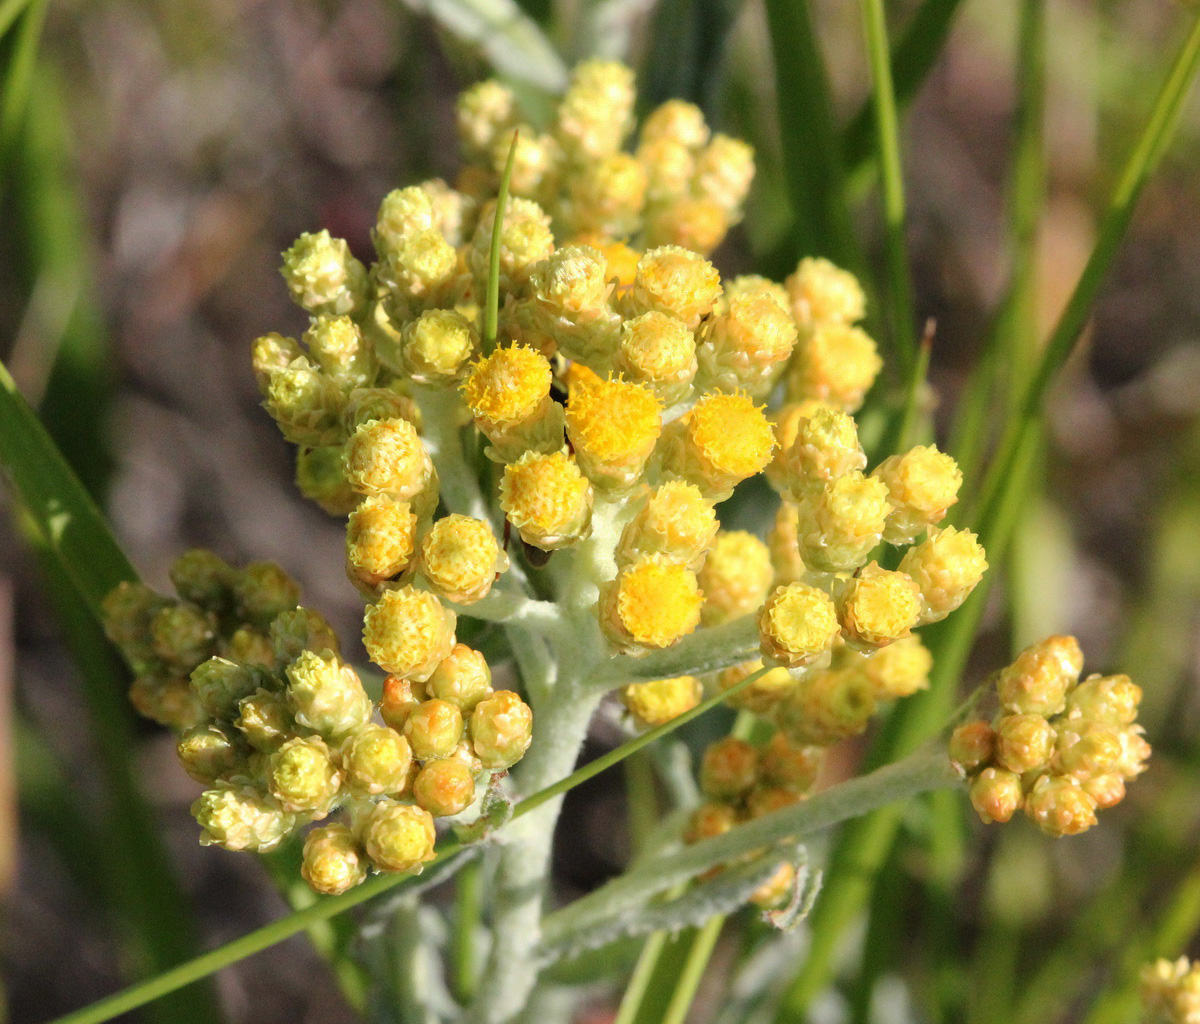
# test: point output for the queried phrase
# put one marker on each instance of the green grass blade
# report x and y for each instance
(14, 91)
(65, 515)
(491, 308)
(913, 57)
(887, 142)
(809, 140)
(699, 952)
(10, 10)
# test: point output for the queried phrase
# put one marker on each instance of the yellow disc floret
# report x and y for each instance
(407, 632)
(837, 364)
(387, 457)
(650, 605)
(877, 607)
(676, 524)
(547, 499)
(613, 426)
(947, 567)
(508, 386)
(380, 538)
(721, 442)
(658, 350)
(661, 700)
(798, 624)
(822, 293)
(922, 485)
(674, 280)
(736, 576)
(461, 559)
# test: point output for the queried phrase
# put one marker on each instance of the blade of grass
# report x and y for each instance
(491, 308)
(14, 92)
(808, 137)
(698, 955)
(10, 10)
(887, 144)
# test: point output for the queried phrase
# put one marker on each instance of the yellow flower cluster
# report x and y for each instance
(1170, 991)
(281, 730)
(1059, 748)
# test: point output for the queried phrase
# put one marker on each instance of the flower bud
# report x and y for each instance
(822, 293)
(376, 760)
(1106, 790)
(326, 695)
(828, 705)
(306, 404)
(651, 604)
(676, 524)
(525, 240)
(483, 112)
(380, 540)
(322, 276)
(433, 729)
(403, 211)
(338, 347)
(416, 272)
(460, 558)
(302, 776)
(947, 566)
(606, 196)
(508, 392)
(1135, 751)
(388, 457)
(789, 765)
(659, 701)
(922, 484)
(972, 745)
(547, 499)
(784, 544)
(437, 346)
(407, 632)
(729, 769)
(839, 526)
(249, 646)
(724, 171)
(462, 678)
(183, 635)
(399, 837)
(595, 114)
(996, 794)
(1038, 681)
(271, 352)
(400, 696)
(764, 694)
(1024, 743)
(204, 578)
(1170, 992)
(321, 478)
(208, 753)
(366, 404)
(695, 223)
(824, 447)
(797, 624)
(1089, 749)
(710, 820)
(265, 720)
(263, 590)
(1112, 700)
(673, 280)
(167, 700)
(239, 818)
(218, 684)
(501, 730)
(444, 787)
(128, 610)
(764, 800)
(836, 364)
(332, 862)
(735, 578)
(722, 441)
(1060, 806)
(777, 889)
(745, 346)
(659, 351)
(613, 426)
(878, 607)
(301, 629)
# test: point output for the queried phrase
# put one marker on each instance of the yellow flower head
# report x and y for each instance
(947, 567)
(658, 350)
(380, 539)
(535, 161)
(724, 171)
(613, 425)
(607, 195)
(407, 632)
(823, 446)
(877, 607)
(1060, 806)
(678, 121)
(661, 700)
(726, 439)
(595, 114)
(483, 112)
(462, 678)
(1024, 743)
(444, 787)
(525, 240)
(322, 276)
(1170, 992)
(673, 280)
(1112, 700)
(837, 364)
(996, 794)
(461, 559)
(736, 576)
(972, 745)
(838, 527)
(547, 499)
(821, 293)
(573, 281)
(403, 211)
(798, 624)
(387, 457)
(377, 760)
(650, 605)
(437, 345)
(399, 837)
(676, 524)
(1038, 681)
(696, 223)
(899, 669)
(433, 728)
(922, 485)
(729, 769)
(332, 861)
(791, 765)
(271, 352)
(828, 705)
(509, 386)
(501, 730)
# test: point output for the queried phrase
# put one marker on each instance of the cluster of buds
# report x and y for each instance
(1170, 991)
(283, 732)
(1059, 748)
(680, 185)
(741, 781)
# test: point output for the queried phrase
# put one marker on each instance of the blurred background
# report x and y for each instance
(155, 158)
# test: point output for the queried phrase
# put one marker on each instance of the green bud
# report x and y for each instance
(326, 695)
(128, 609)
(376, 759)
(183, 635)
(306, 404)
(444, 787)
(438, 345)
(265, 719)
(298, 630)
(209, 752)
(341, 351)
(462, 678)
(272, 352)
(219, 684)
(433, 729)
(263, 590)
(729, 769)
(332, 862)
(791, 765)
(322, 276)
(239, 818)
(501, 729)
(250, 647)
(321, 477)
(167, 700)
(303, 777)
(399, 837)
(204, 578)
(366, 404)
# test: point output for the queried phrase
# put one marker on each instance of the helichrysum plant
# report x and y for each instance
(556, 466)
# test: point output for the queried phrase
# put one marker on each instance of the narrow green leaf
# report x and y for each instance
(809, 139)
(491, 308)
(14, 91)
(10, 10)
(700, 952)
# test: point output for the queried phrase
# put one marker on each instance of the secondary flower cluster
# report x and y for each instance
(1170, 991)
(282, 730)
(1059, 748)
